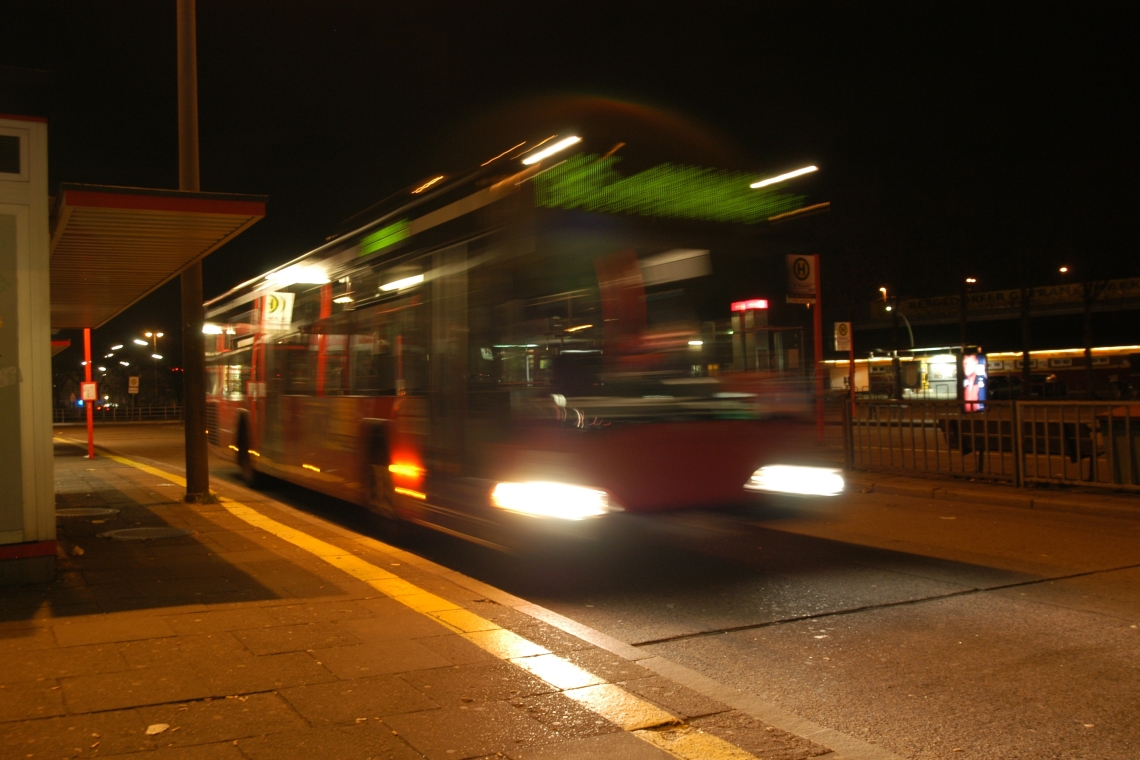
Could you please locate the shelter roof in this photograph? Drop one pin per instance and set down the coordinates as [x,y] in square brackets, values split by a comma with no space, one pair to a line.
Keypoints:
[112,246]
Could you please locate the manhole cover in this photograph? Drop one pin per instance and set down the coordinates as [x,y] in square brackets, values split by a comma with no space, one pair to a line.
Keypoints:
[85,512]
[145,534]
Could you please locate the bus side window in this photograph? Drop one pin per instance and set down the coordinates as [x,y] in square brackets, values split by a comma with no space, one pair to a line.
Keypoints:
[372,362]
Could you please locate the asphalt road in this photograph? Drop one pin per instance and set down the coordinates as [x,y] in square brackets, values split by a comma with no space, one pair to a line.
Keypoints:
[932,629]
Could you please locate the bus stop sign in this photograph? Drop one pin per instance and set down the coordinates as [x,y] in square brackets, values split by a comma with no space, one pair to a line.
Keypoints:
[842,336]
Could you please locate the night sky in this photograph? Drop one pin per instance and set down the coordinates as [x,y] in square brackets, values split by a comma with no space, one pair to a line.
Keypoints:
[992,144]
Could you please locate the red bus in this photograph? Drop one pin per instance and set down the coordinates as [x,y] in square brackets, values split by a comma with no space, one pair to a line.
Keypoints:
[509,352]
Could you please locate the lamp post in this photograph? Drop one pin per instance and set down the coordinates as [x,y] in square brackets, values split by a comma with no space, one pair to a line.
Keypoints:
[154,336]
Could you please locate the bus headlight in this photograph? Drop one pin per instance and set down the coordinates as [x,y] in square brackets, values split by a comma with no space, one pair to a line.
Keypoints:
[802,481]
[541,499]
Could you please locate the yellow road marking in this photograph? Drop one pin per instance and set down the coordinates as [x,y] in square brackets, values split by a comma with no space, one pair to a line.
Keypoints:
[621,708]
[557,671]
[615,704]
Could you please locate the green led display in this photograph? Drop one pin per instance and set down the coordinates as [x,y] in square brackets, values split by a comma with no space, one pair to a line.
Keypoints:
[384,237]
[592,183]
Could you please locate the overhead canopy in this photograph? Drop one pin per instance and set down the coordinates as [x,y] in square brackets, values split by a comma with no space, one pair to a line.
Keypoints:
[111,246]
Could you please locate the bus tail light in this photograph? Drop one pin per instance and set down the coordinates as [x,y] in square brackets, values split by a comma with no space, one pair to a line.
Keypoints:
[543,499]
[792,479]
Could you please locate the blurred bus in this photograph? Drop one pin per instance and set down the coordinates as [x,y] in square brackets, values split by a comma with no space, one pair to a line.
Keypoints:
[491,356]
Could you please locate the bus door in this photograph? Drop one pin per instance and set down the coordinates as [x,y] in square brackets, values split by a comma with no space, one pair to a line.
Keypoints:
[448,383]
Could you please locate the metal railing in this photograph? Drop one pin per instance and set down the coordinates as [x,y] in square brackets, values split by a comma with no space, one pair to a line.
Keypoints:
[171,413]
[1090,443]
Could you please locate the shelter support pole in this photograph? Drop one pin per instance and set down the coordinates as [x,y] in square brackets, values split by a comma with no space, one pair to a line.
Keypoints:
[193,313]
[88,405]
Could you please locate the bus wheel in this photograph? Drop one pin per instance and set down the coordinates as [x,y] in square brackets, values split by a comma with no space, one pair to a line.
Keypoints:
[249,476]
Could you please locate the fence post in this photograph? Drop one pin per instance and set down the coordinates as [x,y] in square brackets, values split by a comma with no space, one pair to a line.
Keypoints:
[1018,448]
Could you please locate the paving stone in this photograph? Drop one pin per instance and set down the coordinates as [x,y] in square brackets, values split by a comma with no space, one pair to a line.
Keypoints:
[465,684]
[320,612]
[373,659]
[458,650]
[759,738]
[679,700]
[607,665]
[615,746]
[30,664]
[101,630]
[25,635]
[236,619]
[350,701]
[243,673]
[141,686]
[371,740]
[207,721]
[24,700]
[219,751]
[397,623]
[185,650]
[564,715]
[295,638]
[104,733]
[464,732]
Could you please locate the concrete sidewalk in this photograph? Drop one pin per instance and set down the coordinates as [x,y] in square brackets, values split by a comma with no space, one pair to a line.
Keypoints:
[263,632]
[1086,500]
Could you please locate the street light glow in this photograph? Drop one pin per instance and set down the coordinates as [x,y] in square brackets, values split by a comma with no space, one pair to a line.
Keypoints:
[551,150]
[1064,270]
[125,364]
[140,342]
[116,348]
[782,177]
[156,356]
[971,280]
[159,334]
[149,335]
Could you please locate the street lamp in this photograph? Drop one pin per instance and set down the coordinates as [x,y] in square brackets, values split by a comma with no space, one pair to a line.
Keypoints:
[154,336]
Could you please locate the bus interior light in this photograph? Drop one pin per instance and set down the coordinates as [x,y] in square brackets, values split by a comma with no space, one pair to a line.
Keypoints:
[406,282]
[546,499]
[208,329]
[798,480]
[782,177]
[551,150]
[343,299]
[411,492]
[298,274]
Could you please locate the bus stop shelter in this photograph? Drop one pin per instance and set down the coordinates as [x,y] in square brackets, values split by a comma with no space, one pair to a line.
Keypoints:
[104,249]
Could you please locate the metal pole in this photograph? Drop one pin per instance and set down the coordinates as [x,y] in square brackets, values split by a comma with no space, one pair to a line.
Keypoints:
[193,314]
[87,404]
[818,354]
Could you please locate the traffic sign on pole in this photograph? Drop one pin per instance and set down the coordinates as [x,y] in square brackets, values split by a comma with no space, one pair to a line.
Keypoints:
[802,278]
[842,336]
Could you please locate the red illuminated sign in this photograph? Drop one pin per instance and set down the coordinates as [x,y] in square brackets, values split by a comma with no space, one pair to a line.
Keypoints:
[755,303]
